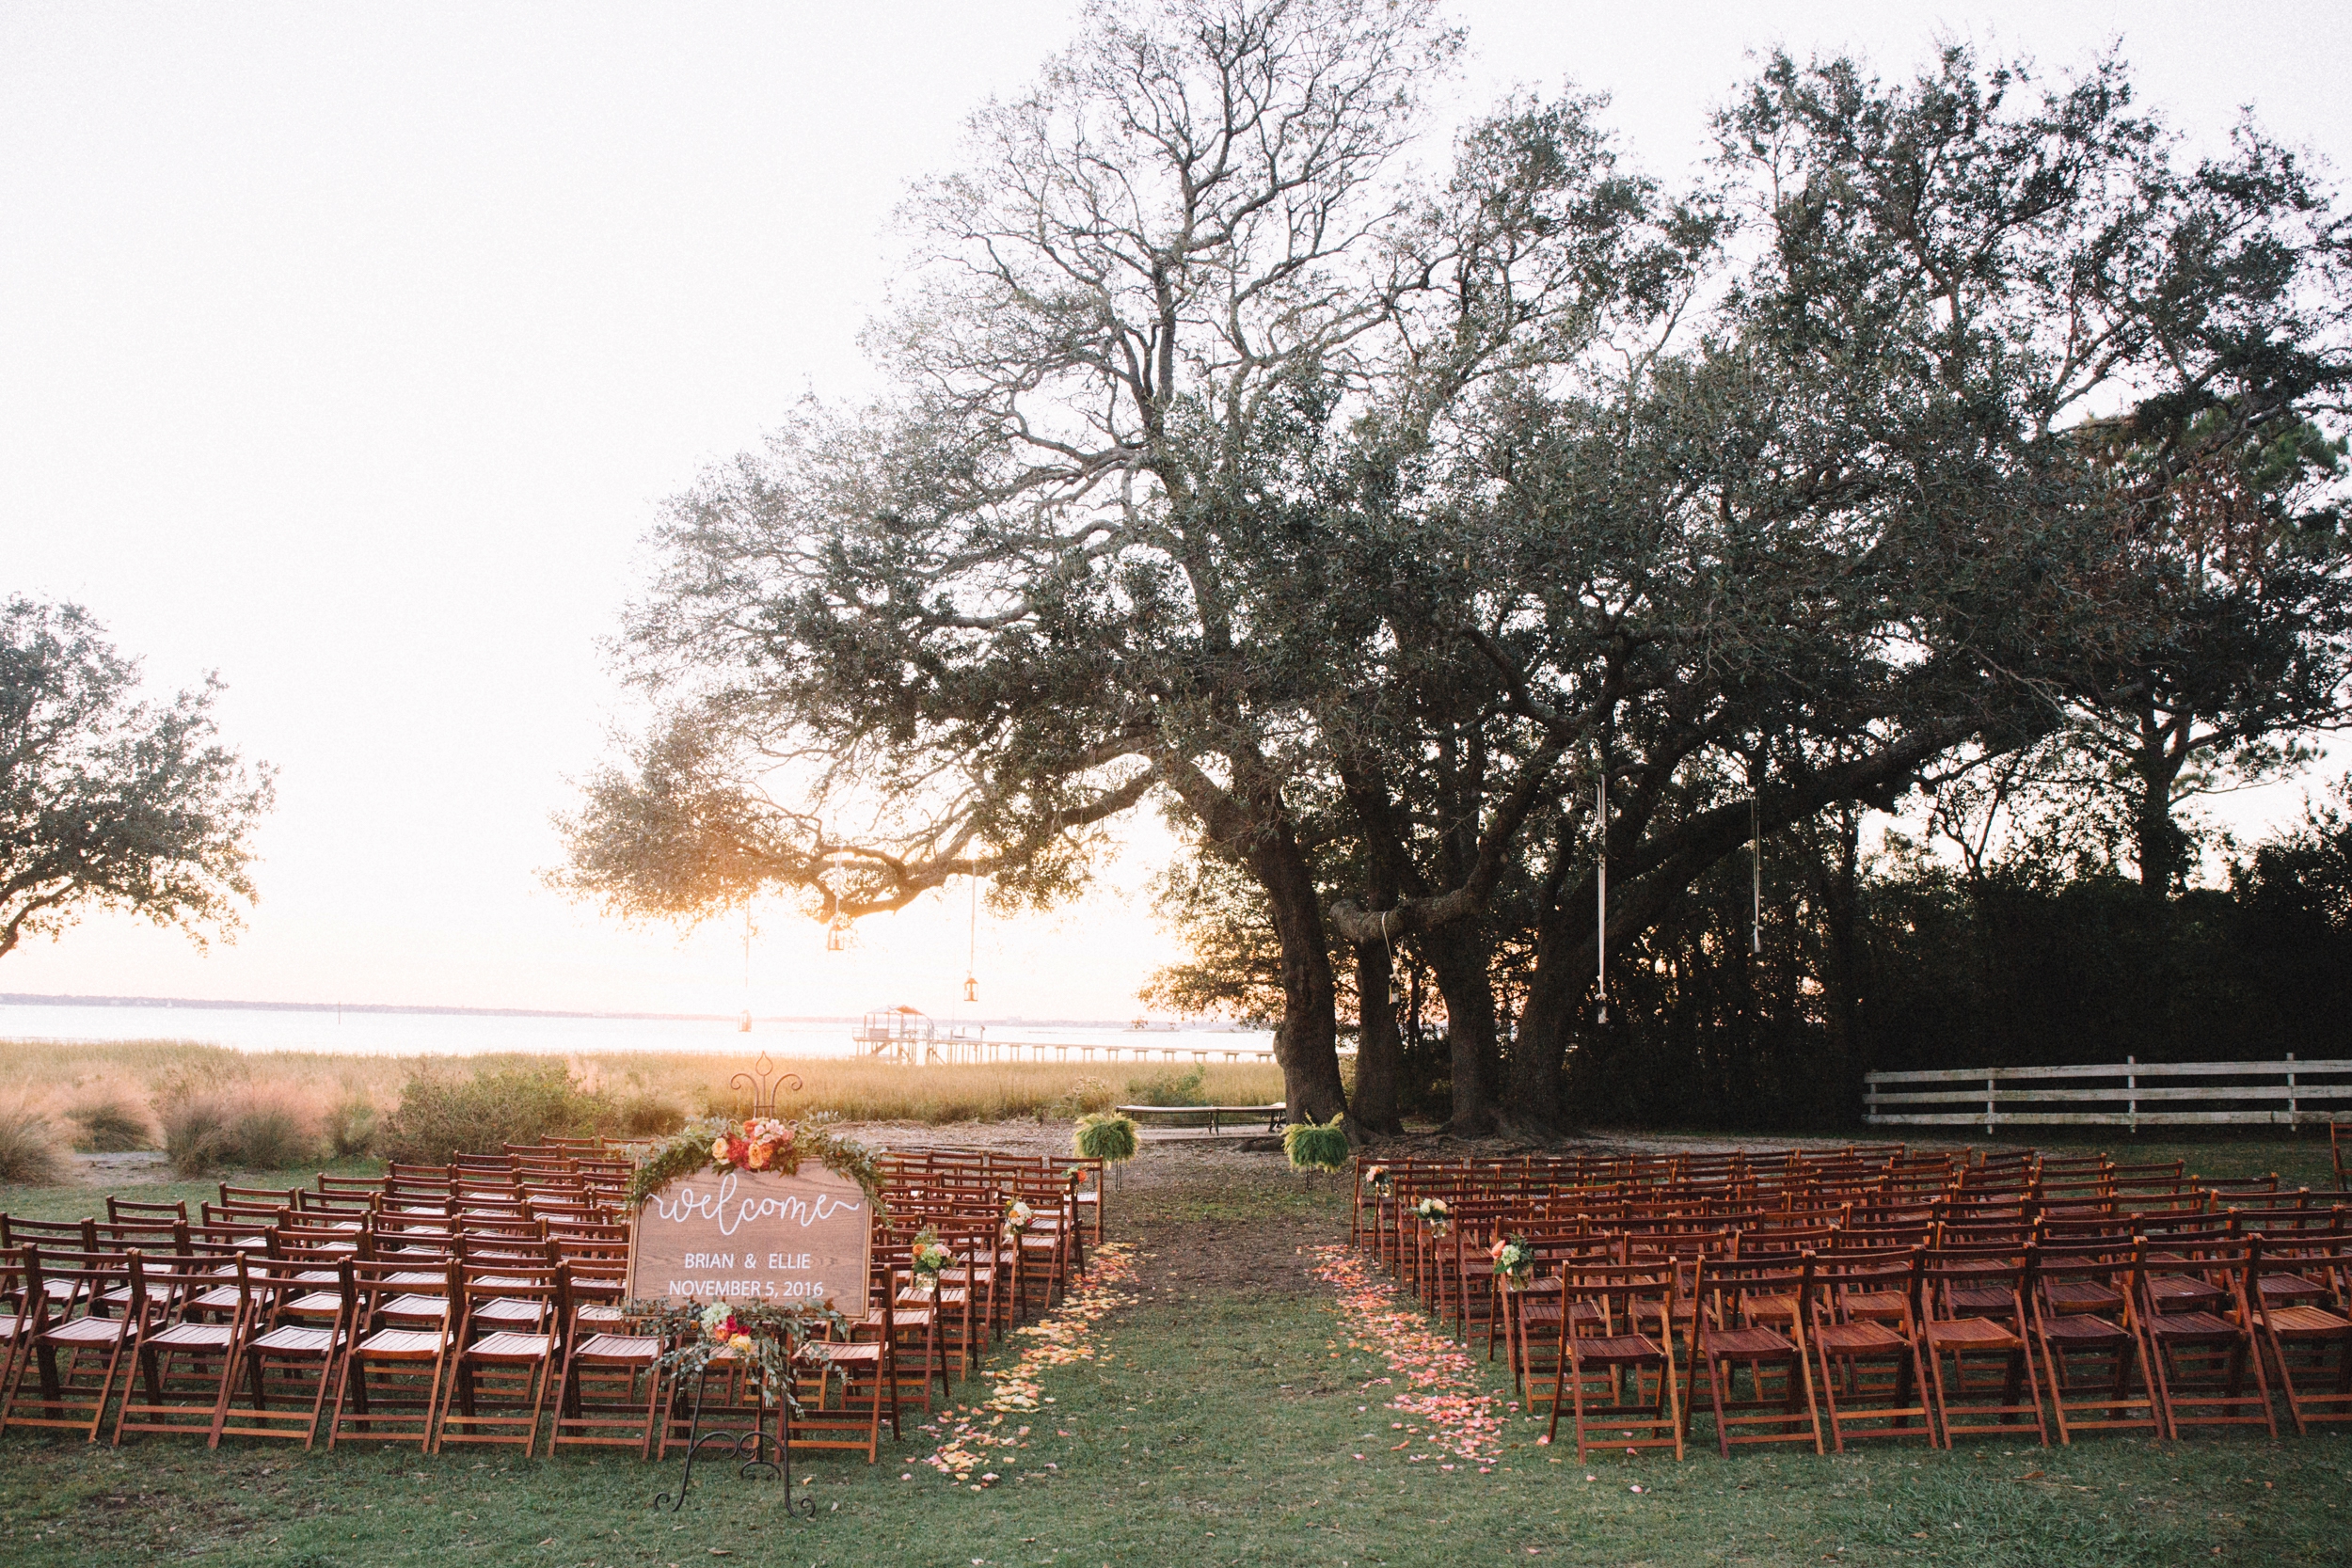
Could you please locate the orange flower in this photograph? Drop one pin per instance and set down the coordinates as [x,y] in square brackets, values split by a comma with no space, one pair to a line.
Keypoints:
[758,1159]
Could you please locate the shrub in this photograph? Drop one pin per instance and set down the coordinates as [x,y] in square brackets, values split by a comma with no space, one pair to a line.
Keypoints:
[1106,1135]
[351,1127]
[108,1124]
[1085,1095]
[1315,1148]
[250,1128]
[643,1114]
[1167,1088]
[29,1155]
[441,1115]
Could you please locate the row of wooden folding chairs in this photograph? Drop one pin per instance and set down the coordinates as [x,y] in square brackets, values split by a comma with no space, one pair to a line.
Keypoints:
[361,1351]
[1465,1293]
[1946,1344]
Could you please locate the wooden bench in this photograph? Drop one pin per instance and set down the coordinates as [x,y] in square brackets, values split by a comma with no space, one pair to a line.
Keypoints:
[1273,1115]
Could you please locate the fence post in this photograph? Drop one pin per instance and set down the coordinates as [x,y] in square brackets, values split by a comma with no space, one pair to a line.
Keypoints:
[1988,1102]
[2293,1119]
[2131,1090]
[1870,1097]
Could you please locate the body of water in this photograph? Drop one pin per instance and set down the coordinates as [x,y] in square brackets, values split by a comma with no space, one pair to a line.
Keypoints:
[411,1034]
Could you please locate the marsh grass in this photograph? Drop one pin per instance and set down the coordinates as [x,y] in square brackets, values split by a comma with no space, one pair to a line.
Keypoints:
[31,1152]
[346,1103]
[106,1122]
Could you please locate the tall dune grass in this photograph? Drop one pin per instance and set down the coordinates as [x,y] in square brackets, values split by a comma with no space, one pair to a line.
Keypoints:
[342,1098]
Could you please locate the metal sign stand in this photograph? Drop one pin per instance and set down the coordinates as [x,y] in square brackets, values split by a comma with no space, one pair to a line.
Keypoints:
[761,1085]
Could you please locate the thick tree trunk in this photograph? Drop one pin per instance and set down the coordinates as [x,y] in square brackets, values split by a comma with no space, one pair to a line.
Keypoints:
[1380,1049]
[2161,846]
[1307,1042]
[1536,1102]
[1839,889]
[1460,954]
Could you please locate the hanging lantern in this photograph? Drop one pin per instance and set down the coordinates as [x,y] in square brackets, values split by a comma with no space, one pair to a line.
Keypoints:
[971,947]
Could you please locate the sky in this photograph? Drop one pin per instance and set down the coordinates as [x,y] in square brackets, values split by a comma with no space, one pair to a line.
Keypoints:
[349,352]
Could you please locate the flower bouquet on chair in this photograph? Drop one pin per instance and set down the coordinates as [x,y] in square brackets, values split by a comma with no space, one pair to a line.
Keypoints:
[1377,1181]
[1017,1218]
[1515,1262]
[1436,1213]
[927,1257]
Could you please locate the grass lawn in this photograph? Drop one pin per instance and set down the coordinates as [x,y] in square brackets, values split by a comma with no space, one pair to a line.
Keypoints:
[1217,1424]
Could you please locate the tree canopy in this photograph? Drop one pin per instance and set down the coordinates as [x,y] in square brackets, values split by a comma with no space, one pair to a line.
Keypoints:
[109,801]
[1370,525]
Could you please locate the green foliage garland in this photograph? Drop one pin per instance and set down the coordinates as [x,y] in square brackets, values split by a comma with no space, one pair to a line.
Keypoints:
[1312,1147]
[777,1331]
[688,1153]
[1106,1135]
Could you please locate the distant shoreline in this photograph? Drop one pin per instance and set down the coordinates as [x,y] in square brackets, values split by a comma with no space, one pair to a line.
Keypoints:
[27,999]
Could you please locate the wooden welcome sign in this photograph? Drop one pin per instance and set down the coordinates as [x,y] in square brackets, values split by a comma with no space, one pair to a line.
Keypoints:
[740,1235]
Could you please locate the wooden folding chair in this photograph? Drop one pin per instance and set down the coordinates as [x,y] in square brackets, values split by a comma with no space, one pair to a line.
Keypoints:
[1865,1336]
[390,1386]
[610,1390]
[865,1370]
[184,1361]
[2302,1324]
[1754,1312]
[2084,1307]
[122,1210]
[290,1360]
[2200,1343]
[503,1358]
[1619,1382]
[1974,1305]
[72,1354]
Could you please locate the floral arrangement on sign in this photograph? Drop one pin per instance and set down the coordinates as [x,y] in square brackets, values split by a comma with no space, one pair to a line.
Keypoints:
[1436,1214]
[773,1337]
[764,1144]
[1515,1262]
[928,1257]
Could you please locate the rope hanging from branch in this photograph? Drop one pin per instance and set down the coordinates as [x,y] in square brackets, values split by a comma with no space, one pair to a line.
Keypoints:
[1755,866]
[1600,932]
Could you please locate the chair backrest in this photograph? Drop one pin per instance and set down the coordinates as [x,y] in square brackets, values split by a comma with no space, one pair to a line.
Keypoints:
[1731,1286]
[122,1209]
[68,1235]
[2119,1266]
[169,1236]
[1841,1271]
[86,1277]
[1945,1270]
[264,1197]
[1617,1289]
[544,1286]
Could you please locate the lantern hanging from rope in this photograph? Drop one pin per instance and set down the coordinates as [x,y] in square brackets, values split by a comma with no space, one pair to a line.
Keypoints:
[971,947]
[837,922]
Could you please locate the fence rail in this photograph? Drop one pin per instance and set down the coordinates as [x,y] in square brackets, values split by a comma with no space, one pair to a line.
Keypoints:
[2281,1093]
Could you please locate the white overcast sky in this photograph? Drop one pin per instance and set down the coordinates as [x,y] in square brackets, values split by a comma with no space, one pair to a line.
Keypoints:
[346,349]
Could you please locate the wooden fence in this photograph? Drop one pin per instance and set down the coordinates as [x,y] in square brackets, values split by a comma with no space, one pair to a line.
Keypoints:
[2127,1094]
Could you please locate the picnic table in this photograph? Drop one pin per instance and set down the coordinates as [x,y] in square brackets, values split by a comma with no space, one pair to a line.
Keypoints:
[1273,1115]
